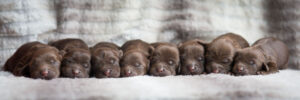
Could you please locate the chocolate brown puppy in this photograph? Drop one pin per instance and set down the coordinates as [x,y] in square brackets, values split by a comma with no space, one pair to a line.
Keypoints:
[221,52]
[192,57]
[35,60]
[76,60]
[265,56]
[105,60]
[135,60]
[164,59]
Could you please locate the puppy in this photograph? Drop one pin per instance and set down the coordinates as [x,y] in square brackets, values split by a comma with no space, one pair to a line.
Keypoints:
[192,57]
[164,60]
[135,60]
[265,56]
[35,60]
[76,60]
[105,60]
[221,51]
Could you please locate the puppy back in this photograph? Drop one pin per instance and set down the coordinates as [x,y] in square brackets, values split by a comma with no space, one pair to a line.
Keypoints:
[235,38]
[65,44]
[137,45]
[274,48]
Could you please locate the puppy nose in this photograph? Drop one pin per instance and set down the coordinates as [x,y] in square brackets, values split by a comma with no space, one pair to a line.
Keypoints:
[76,71]
[45,73]
[128,73]
[241,68]
[215,71]
[107,72]
[192,68]
[161,69]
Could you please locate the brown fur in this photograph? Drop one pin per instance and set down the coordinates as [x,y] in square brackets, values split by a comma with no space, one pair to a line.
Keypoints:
[76,61]
[221,51]
[192,57]
[105,60]
[164,60]
[35,60]
[65,44]
[136,58]
[265,56]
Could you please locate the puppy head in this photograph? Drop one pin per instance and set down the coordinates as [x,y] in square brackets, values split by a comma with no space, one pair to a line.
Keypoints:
[164,60]
[45,63]
[105,63]
[192,57]
[248,61]
[134,63]
[219,57]
[76,63]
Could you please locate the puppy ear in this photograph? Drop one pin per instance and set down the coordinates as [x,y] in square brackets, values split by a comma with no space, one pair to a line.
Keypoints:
[151,50]
[236,53]
[21,68]
[201,42]
[269,66]
[62,53]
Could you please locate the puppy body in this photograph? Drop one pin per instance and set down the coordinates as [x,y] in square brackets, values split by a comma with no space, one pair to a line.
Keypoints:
[105,60]
[35,60]
[221,51]
[164,59]
[265,56]
[192,57]
[135,60]
[76,60]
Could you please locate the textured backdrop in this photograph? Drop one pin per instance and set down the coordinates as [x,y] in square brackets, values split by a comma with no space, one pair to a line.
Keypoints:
[117,21]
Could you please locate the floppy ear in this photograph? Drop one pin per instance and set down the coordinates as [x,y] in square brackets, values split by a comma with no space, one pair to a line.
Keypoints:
[151,50]
[236,53]
[20,70]
[61,53]
[201,42]
[22,66]
[269,66]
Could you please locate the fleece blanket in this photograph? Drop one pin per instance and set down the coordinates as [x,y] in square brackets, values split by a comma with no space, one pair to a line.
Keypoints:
[284,85]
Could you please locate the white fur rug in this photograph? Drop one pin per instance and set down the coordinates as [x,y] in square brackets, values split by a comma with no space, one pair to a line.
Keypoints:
[284,85]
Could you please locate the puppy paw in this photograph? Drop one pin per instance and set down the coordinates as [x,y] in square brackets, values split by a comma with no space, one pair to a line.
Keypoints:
[229,73]
[261,73]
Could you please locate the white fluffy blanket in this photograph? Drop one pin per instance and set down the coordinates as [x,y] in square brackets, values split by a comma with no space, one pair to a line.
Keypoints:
[283,85]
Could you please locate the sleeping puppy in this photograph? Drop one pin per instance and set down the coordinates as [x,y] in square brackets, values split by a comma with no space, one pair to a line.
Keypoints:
[192,57]
[265,56]
[164,60]
[105,60]
[76,60]
[221,51]
[35,60]
[135,60]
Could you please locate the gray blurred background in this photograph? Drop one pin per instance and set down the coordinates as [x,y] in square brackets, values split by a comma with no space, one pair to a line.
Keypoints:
[173,21]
